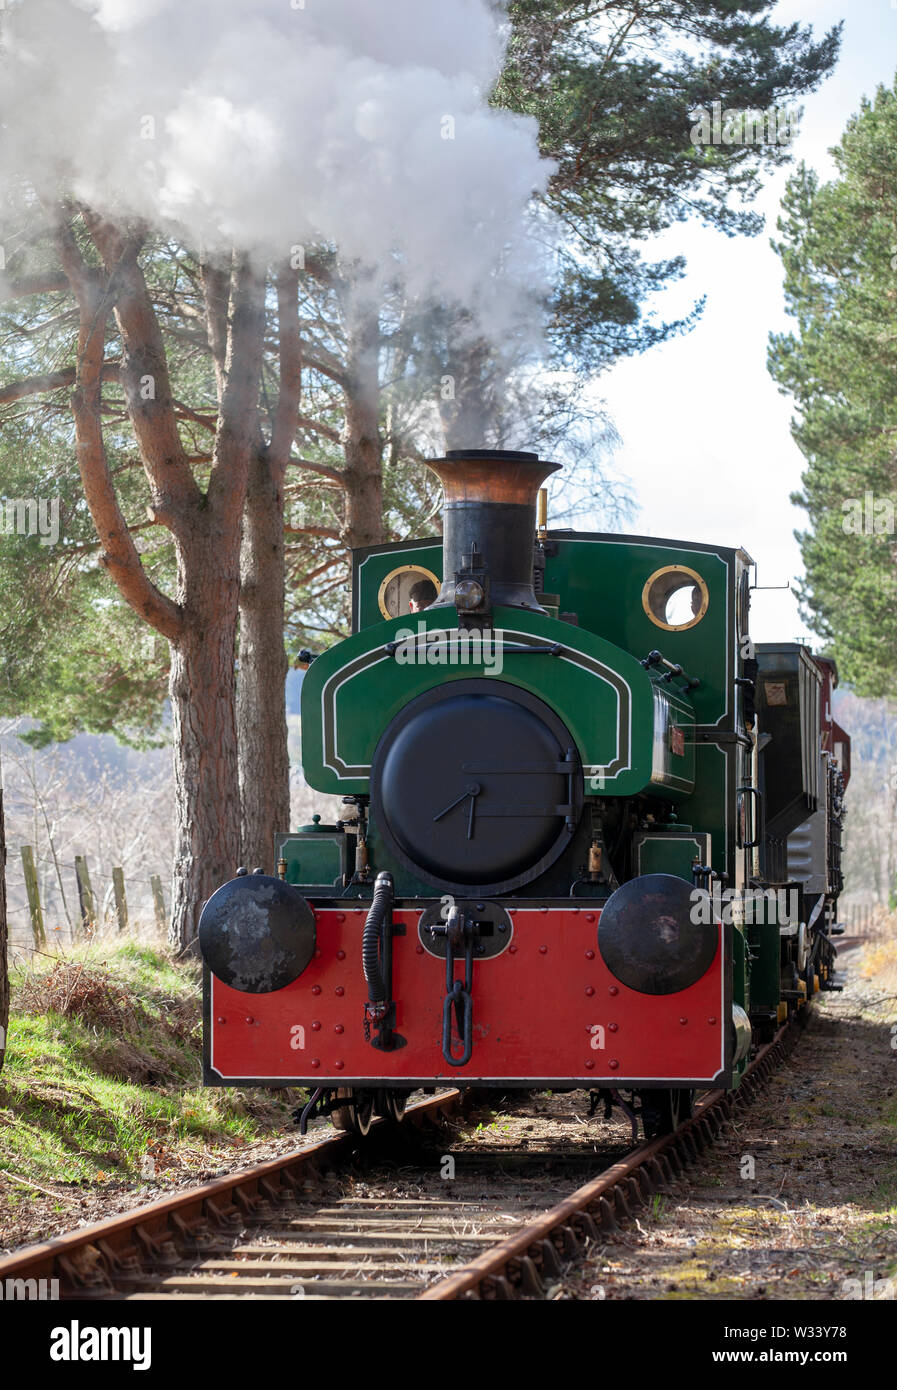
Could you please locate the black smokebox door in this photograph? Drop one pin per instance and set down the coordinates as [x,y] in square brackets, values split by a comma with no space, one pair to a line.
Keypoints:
[473,786]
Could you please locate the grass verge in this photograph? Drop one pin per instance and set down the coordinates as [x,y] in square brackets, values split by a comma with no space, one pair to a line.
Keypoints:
[101,1082]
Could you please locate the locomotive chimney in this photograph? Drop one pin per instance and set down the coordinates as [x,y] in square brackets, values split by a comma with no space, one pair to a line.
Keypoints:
[489,528]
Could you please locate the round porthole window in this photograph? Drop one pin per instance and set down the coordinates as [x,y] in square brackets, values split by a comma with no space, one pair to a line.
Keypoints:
[675,598]
[408,589]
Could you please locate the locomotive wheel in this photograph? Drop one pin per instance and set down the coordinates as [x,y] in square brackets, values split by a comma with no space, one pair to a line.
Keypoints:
[356,1115]
[391,1104]
[665,1110]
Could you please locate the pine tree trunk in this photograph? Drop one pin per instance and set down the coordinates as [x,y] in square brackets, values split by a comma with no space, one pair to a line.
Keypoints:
[261,686]
[362,440]
[203,678]
[261,683]
[4,975]
[201,624]
[206,802]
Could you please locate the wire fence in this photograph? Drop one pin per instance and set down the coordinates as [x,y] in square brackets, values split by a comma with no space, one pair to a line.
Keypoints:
[59,900]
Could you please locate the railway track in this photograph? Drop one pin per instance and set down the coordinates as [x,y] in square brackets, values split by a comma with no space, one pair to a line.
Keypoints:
[289,1229]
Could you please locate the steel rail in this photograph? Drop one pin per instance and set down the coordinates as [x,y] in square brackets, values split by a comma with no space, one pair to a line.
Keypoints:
[527,1262]
[134,1249]
[86,1261]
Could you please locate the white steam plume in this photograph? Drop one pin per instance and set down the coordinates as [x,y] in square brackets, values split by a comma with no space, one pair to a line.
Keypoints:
[272,124]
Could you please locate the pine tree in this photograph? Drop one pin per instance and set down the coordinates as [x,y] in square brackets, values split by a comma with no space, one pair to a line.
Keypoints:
[617,87]
[839,249]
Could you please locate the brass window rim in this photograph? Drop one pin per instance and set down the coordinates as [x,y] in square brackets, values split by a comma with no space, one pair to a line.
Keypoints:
[403,569]
[688,574]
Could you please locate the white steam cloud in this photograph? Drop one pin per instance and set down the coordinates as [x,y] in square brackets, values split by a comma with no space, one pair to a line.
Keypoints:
[272,124]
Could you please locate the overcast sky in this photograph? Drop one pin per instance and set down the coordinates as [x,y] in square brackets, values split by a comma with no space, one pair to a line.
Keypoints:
[705,432]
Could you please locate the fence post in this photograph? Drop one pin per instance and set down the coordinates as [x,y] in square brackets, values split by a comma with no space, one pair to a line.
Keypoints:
[86,898]
[31,887]
[121,902]
[158,902]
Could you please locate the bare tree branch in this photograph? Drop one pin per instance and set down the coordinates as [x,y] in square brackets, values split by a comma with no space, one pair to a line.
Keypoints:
[327,363]
[49,283]
[305,422]
[145,375]
[52,381]
[119,551]
[323,469]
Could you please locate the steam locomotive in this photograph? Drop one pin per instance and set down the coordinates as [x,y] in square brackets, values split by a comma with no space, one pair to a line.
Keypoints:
[591,833]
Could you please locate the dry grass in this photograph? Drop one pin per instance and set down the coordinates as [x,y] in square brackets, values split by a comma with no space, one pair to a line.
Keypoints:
[76,990]
[92,993]
[879,959]
[103,1067]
